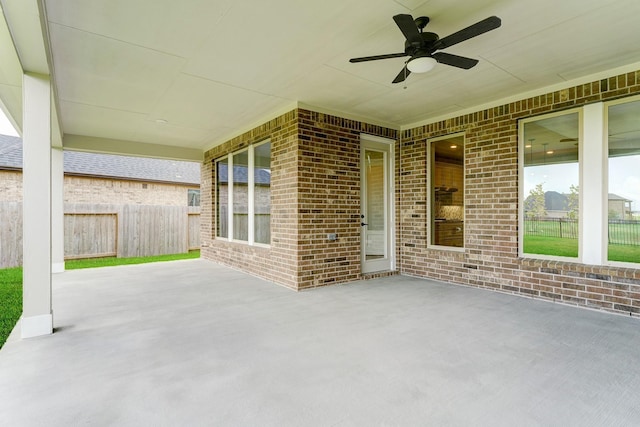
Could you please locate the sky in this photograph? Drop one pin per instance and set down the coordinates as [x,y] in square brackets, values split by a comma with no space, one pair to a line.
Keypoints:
[5,126]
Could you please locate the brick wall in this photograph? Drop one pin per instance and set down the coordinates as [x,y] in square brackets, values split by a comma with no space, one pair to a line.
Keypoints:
[277,263]
[490,259]
[80,189]
[329,197]
[315,190]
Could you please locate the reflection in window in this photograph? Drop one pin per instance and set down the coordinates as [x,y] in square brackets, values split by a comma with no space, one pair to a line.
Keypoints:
[624,182]
[447,191]
[262,193]
[241,196]
[222,198]
[551,186]
[193,197]
[245,179]
[374,175]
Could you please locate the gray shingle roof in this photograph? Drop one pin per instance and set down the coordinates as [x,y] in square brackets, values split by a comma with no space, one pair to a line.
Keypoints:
[240,174]
[613,196]
[107,165]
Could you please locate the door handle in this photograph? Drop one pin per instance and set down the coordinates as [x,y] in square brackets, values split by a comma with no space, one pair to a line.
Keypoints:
[362,224]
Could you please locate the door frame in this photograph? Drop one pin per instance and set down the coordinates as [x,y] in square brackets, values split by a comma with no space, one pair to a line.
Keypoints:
[388,146]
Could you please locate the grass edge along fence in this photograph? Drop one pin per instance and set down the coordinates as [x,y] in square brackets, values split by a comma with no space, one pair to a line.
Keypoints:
[620,232]
[11,283]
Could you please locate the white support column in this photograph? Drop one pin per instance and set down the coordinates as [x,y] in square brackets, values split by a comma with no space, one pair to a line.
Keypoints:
[57,210]
[37,314]
[592,187]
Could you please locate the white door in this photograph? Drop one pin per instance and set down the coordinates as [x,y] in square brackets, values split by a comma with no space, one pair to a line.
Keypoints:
[376,204]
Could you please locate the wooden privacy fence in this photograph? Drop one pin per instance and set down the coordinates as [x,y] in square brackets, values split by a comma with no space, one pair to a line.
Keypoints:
[90,235]
[10,234]
[96,230]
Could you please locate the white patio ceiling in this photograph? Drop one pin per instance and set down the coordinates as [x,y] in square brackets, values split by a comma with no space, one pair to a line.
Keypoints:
[214,68]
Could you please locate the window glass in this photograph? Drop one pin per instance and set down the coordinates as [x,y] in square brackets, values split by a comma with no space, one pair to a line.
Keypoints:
[248,203]
[222,198]
[193,197]
[241,196]
[623,204]
[447,192]
[262,193]
[551,186]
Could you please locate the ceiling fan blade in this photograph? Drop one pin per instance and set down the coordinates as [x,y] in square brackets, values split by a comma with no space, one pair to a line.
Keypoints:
[408,27]
[491,23]
[376,57]
[455,60]
[402,75]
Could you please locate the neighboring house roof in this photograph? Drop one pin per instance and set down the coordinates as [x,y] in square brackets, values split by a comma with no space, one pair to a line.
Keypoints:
[109,166]
[261,176]
[10,152]
[616,197]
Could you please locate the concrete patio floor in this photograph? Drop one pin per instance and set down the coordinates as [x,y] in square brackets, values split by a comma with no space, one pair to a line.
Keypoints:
[193,343]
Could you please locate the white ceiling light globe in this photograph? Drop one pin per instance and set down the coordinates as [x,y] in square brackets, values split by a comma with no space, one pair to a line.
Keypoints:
[421,64]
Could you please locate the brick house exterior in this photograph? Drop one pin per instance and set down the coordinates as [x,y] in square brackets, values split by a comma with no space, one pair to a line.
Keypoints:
[84,189]
[104,179]
[315,189]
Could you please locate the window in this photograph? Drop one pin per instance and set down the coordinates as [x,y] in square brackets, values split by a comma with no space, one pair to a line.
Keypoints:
[193,197]
[580,184]
[262,193]
[551,185]
[243,194]
[222,198]
[623,195]
[240,196]
[447,191]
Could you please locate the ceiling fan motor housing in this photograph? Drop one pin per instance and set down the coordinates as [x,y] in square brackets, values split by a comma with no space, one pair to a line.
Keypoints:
[413,46]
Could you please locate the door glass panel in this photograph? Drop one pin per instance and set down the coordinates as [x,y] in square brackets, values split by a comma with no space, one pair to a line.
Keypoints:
[375,206]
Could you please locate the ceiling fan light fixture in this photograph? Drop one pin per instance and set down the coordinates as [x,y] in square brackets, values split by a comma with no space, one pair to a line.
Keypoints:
[421,64]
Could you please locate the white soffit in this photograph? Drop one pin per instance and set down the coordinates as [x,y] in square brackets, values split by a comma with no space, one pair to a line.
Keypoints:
[212,68]
[101,71]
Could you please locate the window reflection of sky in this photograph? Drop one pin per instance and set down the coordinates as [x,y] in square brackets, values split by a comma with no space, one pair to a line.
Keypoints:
[624,178]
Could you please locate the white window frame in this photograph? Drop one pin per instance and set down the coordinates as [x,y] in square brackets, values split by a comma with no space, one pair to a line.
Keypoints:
[522,196]
[605,180]
[593,161]
[250,195]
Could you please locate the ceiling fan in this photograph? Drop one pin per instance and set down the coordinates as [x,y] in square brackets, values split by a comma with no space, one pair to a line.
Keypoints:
[422,46]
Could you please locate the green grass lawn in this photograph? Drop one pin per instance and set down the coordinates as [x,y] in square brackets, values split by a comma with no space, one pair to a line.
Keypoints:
[624,253]
[543,245]
[569,247]
[10,300]
[11,284]
[111,261]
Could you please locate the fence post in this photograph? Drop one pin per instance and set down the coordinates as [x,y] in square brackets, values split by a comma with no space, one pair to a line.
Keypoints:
[561,228]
